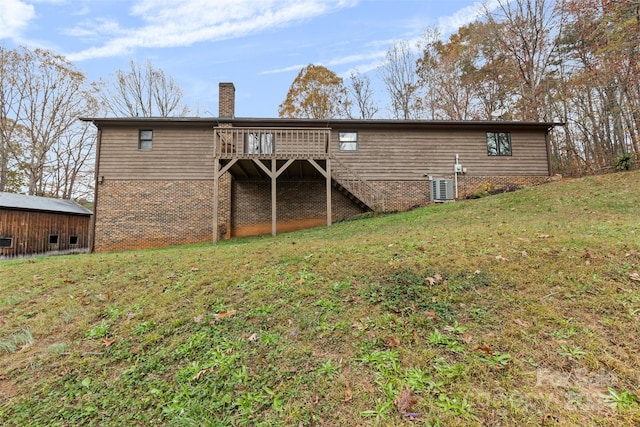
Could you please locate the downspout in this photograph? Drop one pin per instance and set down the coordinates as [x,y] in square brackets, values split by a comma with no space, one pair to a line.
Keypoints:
[455,176]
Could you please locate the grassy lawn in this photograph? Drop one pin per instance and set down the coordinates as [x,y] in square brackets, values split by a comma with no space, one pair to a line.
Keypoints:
[516,309]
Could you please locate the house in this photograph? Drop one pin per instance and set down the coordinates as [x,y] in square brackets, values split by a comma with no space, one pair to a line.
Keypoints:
[169,181]
[31,225]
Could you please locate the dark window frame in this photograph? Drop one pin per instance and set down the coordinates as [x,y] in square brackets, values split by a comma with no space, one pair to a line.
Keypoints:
[5,239]
[499,144]
[145,143]
[73,240]
[54,239]
[343,143]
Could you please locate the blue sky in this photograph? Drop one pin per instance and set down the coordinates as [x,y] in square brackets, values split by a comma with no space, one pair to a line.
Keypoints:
[259,45]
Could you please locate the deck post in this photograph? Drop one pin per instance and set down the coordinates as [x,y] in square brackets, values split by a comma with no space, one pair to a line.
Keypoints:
[216,196]
[329,215]
[274,178]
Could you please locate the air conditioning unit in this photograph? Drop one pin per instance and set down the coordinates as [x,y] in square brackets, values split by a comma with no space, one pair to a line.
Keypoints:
[441,190]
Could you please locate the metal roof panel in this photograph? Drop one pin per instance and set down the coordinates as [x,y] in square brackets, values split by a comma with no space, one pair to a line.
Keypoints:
[47,204]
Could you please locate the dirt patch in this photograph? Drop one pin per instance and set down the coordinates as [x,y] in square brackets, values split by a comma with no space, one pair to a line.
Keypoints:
[7,388]
[281,226]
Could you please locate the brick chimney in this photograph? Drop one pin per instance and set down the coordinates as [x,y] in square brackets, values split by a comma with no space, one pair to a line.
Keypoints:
[226,100]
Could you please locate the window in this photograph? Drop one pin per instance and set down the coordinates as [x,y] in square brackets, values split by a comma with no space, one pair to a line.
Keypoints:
[259,143]
[6,242]
[498,143]
[53,239]
[73,240]
[348,141]
[145,140]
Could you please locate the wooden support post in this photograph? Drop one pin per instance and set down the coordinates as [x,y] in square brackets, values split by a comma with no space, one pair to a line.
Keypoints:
[328,192]
[274,178]
[216,196]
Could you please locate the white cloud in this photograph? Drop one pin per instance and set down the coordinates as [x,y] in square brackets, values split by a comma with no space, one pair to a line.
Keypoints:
[466,15]
[14,17]
[166,23]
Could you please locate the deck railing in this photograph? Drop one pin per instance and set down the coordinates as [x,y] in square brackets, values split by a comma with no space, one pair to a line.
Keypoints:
[358,186]
[267,143]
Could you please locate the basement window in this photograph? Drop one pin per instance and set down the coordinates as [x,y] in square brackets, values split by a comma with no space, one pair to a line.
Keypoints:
[348,141]
[53,239]
[6,242]
[499,143]
[73,240]
[259,143]
[145,140]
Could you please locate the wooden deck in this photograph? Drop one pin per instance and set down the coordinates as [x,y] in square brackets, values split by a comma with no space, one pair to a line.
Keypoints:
[271,143]
[267,148]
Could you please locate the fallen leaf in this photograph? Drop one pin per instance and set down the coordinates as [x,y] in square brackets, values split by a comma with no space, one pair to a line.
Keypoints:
[253,337]
[135,350]
[437,277]
[393,342]
[300,282]
[477,272]
[359,326]
[524,254]
[635,277]
[421,248]
[524,239]
[107,342]
[224,314]
[195,269]
[430,314]
[542,236]
[466,337]
[199,318]
[416,338]
[201,373]
[501,258]
[431,281]
[484,348]
[405,402]
[522,323]
[348,394]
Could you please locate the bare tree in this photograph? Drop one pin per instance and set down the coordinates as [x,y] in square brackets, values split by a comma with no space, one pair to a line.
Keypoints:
[401,80]
[528,34]
[45,96]
[71,165]
[362,96]
[143,92]
[12,104]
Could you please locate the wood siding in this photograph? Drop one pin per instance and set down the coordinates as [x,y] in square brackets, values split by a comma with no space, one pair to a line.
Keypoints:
[416,154]
[30,231]
[185,151]
[178,153]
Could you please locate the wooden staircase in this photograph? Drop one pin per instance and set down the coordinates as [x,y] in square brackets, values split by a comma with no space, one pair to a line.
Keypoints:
[363,193]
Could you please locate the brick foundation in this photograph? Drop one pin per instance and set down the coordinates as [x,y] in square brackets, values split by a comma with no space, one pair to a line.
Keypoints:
[405,195]
[468,185]
[300,204]
[150,214]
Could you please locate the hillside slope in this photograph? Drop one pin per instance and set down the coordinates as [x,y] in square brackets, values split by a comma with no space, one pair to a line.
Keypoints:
[516,309]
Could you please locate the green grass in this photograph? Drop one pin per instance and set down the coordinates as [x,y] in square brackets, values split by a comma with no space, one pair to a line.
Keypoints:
[516,309]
